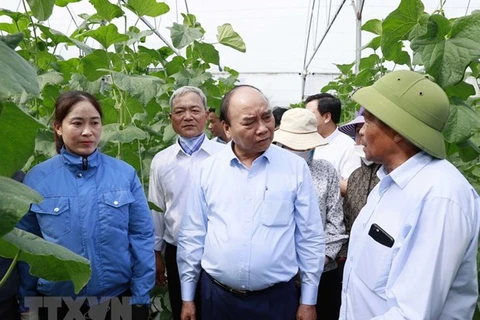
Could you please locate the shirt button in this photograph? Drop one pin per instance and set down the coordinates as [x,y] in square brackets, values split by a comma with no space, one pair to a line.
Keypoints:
[56,210]
[115,202]
[79,175]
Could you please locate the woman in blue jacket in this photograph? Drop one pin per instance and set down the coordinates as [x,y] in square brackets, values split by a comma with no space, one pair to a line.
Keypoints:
[95,206]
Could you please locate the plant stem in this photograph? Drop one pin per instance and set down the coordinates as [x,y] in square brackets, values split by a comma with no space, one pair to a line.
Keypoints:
[10,269]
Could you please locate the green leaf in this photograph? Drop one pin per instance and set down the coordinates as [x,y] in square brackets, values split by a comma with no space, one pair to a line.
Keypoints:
[12,40]
[148,7]
[208,52]
[169,133]
[142,87]
[112,132]
[18,76]
[14,202]
[51,77]
[228,37]
[374,43]
[153,206]
[364,78]
[461,90]
[461,124]
[94,64]
[47,260]
[374,26]
[176,65]
[107,10]
[369,62]
[106,35]
[447,56]
[64,3]
[85,48]
[41,9]
[187,77]
[397,26]
[403,58]
[138,36]
[345,68]
[183,35]
[20,128]
[80,82]
[468,151]
[56,36]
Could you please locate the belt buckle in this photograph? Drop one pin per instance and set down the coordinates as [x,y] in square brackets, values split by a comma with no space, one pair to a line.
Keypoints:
[242,293]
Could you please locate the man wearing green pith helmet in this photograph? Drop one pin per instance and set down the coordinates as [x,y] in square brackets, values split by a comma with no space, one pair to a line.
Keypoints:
[412,252]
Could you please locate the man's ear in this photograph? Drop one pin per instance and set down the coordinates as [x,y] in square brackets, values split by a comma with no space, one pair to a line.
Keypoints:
[328,117]
[226,129]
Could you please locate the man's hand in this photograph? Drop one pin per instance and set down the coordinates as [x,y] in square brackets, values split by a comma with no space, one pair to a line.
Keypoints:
[160,278]
[188,311]
[306,312]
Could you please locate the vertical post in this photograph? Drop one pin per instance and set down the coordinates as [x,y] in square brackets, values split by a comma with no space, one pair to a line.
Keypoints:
[358,33]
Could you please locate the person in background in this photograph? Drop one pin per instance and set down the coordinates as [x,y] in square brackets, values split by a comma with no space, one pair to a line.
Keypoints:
[95,206]
[340,150]
[171,175]
[216,128]
[245,250]
[298,134]
[413,247]
[359,184]
[277,115]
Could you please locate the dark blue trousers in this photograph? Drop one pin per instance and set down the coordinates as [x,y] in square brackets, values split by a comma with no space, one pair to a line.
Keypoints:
[277,303]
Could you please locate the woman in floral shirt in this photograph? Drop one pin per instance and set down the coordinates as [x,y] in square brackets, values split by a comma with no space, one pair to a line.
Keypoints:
[298,134]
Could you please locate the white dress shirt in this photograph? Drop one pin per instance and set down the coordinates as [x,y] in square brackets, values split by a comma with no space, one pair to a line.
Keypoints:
[340,152]
[170,177]
[252,228]
[430,272]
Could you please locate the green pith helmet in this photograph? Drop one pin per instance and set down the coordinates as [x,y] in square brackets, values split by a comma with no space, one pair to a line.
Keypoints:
[412,105]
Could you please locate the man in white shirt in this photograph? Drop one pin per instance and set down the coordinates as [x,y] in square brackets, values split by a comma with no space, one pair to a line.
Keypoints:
[170,177]
[216,128]
[340,150]
[412,253]
[252,223]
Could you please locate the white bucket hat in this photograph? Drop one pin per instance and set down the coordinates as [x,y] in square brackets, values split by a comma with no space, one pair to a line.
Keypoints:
[298,130]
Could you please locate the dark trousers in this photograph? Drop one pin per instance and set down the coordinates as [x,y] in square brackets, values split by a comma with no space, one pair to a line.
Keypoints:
[277,303]
[329,295]
[9,310]
[174,288]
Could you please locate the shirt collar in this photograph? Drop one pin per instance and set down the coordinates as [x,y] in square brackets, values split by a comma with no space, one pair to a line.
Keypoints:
[403,174]
[232,157]
[79,162]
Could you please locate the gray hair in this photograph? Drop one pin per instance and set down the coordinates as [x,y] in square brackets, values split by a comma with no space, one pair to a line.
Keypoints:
[186,89]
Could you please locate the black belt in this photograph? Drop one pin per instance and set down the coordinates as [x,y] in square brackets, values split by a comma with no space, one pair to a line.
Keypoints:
[245,293]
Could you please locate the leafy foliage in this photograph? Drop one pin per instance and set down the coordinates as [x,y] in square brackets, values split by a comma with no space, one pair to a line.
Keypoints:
[132,82]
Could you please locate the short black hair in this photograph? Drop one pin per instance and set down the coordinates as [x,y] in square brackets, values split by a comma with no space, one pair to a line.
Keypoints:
[327,103]
[277,114]
[225,104]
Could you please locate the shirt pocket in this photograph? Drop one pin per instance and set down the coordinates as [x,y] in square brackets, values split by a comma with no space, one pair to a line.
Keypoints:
[54,216]
[116,207]
[276,210]
[373,265]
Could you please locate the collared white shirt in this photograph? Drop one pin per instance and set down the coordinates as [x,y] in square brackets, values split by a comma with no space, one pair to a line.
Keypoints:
[430,272]
[171,174]
[252,228]
[340,152]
